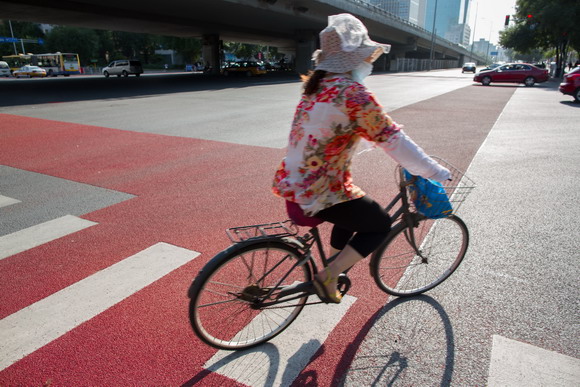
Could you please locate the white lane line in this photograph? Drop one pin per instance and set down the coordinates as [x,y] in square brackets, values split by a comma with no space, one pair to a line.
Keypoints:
[518,364]
[33,327]
[39,234]
[6,201]
[280,361]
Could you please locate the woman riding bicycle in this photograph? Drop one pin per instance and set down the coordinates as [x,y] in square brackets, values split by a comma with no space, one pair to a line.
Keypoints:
[335,112]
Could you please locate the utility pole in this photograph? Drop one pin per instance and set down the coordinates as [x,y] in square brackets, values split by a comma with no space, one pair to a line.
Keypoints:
[474,27]
[432,53]
[488,43]
[13,42]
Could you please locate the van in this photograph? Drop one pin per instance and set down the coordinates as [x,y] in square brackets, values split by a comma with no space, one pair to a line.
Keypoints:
[5,70]
[124,68]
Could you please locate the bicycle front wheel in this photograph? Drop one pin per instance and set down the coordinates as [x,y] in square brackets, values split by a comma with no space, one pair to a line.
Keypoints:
[233,299]
[401,270]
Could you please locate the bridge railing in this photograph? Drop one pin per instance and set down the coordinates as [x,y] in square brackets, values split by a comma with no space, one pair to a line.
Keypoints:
[414,64]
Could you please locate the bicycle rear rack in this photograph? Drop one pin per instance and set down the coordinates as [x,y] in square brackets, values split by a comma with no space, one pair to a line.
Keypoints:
[278,229]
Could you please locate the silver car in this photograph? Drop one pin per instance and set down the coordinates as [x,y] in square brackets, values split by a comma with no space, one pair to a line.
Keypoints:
[469,66]
[124,68]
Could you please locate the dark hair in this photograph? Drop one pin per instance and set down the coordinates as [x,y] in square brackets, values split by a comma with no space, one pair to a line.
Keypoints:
[312,81]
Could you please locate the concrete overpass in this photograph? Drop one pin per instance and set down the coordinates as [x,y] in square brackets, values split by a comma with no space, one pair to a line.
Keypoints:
[291,25]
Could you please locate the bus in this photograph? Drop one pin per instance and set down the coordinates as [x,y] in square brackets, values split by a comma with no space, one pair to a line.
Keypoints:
[55,64]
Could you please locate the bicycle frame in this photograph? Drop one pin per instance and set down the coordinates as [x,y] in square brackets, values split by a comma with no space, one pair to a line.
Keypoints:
[408,219]
[312,237]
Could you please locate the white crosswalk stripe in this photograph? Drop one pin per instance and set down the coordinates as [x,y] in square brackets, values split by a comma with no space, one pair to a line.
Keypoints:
[39,234]
[518,364]
[6,201]
[281,360]
[32,327]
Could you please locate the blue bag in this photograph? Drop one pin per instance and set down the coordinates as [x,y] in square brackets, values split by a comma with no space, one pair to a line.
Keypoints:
[429,197]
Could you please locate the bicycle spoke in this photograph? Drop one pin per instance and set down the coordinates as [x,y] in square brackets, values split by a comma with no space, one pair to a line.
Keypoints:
[402,269]
[226,311]
[220,302]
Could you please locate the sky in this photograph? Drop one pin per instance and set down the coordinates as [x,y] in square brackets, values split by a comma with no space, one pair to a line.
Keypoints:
[490,18]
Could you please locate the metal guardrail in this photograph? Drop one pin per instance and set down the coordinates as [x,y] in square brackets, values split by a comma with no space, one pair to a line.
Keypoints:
[414,64]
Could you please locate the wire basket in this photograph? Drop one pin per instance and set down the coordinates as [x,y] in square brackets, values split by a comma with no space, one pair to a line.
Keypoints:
[442,201]
[279,229]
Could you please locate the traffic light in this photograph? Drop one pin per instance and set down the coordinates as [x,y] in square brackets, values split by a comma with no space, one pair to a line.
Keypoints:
[507,20]
[529,16]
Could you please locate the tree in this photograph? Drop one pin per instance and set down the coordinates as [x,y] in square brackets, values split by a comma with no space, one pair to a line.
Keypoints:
[82,41]
[545,24]
[106,48]
[252,51]
[241,50]
[22,30]
[134,46]
[189,48]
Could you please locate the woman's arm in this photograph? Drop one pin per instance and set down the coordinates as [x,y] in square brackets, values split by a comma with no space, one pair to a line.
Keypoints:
[413,158]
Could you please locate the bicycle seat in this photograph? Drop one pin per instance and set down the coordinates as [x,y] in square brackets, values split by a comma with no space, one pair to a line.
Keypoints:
[296,214]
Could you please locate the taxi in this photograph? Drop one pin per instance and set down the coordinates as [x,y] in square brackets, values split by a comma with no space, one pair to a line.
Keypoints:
[30,72]
[247,68]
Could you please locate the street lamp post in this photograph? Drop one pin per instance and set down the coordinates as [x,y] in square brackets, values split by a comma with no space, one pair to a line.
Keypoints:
[488,42]
[13,42]
[474,28]
[431,53]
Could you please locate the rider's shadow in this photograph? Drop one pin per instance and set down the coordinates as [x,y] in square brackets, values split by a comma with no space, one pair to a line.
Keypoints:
[408,342]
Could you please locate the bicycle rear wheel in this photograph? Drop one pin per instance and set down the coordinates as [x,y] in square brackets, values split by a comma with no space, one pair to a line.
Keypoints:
[399,270]
[227,298]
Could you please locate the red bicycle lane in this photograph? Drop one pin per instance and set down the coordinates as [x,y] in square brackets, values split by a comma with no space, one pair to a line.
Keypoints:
[187,192]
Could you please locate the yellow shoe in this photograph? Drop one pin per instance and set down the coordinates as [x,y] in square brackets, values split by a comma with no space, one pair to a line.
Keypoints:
[326,295]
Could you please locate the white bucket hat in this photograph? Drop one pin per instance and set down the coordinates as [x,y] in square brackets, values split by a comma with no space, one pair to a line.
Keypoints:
[345,44]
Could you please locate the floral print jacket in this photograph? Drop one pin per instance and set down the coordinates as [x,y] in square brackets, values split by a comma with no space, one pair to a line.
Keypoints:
[326,128]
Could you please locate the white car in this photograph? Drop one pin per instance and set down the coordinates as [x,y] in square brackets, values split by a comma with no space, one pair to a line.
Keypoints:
[30,72]
[123,68]
[5,70]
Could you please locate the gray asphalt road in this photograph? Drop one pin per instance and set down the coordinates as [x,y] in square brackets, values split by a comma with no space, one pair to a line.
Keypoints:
[510,314]
[254,111]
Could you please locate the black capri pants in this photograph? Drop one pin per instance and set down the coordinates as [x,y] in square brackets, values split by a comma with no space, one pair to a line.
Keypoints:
[362,216]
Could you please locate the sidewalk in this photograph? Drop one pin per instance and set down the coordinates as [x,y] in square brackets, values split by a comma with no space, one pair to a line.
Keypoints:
[509,315]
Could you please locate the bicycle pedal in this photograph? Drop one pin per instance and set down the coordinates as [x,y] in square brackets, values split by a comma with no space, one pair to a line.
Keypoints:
[343,283]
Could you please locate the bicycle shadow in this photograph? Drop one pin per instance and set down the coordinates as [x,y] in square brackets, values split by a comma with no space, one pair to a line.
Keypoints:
[259,366]
[410,341]
[408,338]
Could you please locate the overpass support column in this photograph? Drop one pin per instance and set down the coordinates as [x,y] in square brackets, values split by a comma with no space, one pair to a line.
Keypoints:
[211,52]
[306,44]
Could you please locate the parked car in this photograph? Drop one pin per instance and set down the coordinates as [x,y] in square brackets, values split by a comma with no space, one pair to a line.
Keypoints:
[124,68]
[571,84]
[247,68]
[5,70]
[469,66]
[30,72]
[524,73]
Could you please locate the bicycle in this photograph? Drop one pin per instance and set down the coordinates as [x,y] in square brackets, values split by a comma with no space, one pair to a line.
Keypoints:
[253,290]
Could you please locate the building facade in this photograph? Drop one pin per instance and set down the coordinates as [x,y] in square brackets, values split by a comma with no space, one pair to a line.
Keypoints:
[413,11]
[451,19]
